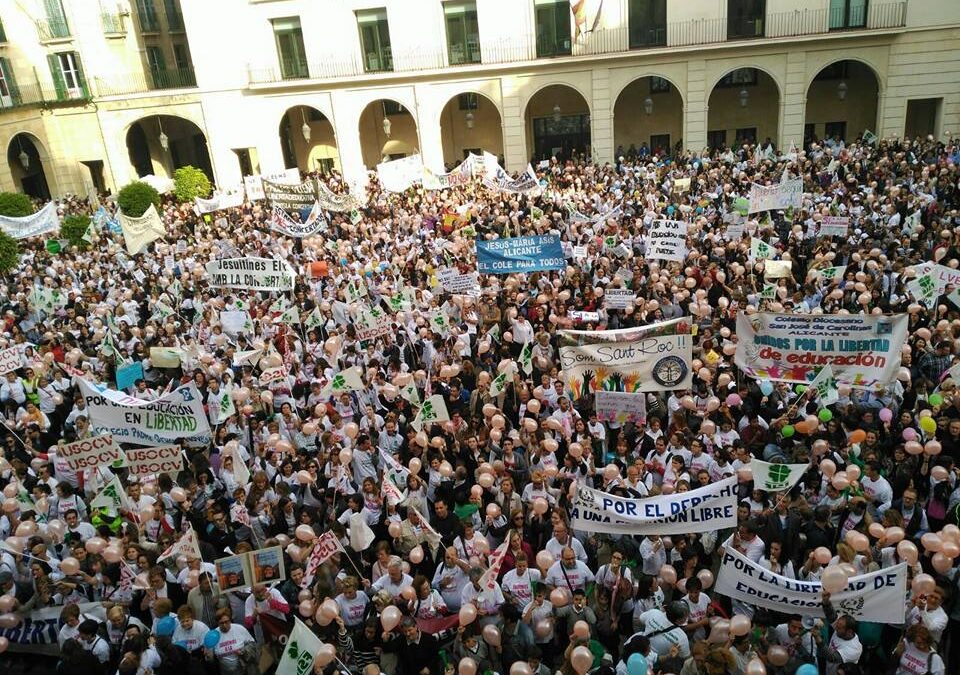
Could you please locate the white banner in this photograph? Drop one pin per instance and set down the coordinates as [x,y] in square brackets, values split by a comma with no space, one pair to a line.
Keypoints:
[522,184]
[254,184]
[618,298]
[281,222]
[176,415]
[786,194]
[453,281]
[705,509]
[90,453]
[864,350]
[139,232]
[10,359]
[877,597]
[38,630]
[667,240]
[775,477]
[258,274]
[155,460]
[620,407]
[272,375]
[655,363]
[398,175]
[331,201]
[461,175]
[324,547]
[834,226]
[942,275]
[43,221]
[224,200]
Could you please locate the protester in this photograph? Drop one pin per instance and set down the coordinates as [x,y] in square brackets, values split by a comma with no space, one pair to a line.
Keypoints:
[396,453]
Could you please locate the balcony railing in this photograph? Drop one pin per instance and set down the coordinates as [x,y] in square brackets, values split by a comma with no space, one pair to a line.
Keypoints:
[112,24]
[143,83]
[32,94]
[53,29]
[619,40]
[746,28]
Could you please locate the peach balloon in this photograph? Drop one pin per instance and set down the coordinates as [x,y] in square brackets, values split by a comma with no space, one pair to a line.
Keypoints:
[468,614]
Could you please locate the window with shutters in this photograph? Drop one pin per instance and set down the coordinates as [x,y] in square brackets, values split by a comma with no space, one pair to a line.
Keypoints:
[9,95]
[463,32]
[375,40]
[290,50]
[68,80]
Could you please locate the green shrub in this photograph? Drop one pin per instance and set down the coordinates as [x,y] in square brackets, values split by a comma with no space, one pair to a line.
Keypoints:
[9,253]
[189,182]
[15,205]
[73,229]
[134,199]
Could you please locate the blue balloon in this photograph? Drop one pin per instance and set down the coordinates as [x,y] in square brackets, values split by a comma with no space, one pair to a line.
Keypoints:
[637,665]
[166,626]
[211,639]
[808,669]
[766,386]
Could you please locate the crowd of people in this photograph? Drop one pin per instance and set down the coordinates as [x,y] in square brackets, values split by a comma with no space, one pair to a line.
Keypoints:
[420,515]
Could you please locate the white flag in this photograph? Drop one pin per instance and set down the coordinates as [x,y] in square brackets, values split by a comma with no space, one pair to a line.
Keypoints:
[112,497]
[300,651]
[434,409]
[776,477]
[186,545]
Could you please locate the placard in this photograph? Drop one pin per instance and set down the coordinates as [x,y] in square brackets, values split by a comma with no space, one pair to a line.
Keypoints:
[272,375]
[90,453]
[834,226]
[667,240]
[290,197]
[266,565]
[232,573]
[164,357]
[154,460]
[618,298]
[787,194]
[520,254]
[10,359]
[620,407]
[128,375]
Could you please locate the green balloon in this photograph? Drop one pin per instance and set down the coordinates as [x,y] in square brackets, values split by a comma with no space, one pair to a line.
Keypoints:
[825,415]
[935,399]
[800,388]
[788,431]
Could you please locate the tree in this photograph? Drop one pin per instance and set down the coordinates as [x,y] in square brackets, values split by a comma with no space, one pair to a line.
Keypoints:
[9,253]
[15,205]
[135,198]
[73,229]
[189,182]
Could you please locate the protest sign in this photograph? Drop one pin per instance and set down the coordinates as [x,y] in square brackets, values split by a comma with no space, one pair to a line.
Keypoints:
[176,415]
[434,409]
[372,323]
[257,274]
[281,222]
[331,201]
[584,317]
[37,630]
[128,375]
[10,359]
[667,240]
[442,181]
[272,375]
[787,194]
[834,226]
[139,232]
[90,453]
[705,509]
[520,254]
[232,573]
[457,283]
[324,547]
[775,477]
[266,565]
[225,200]
[164,357]
[620,407]
[253,185]
[290,197]
[655,363]
[777,269]
[876,596]
[400,174]
[187,545]
[942,275]
[618,298]
[864,350]
[43,221]
[300,651]
[155,460]
[831,274]
[924,289]
[234,321]
[499,179]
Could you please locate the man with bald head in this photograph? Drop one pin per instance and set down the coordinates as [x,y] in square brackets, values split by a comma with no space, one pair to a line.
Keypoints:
[450,578]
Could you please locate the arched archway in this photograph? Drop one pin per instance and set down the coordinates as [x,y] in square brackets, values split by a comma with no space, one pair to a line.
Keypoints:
[557,120]
[387,131]
[470,122]
[648,115]
[744,107]
[842,102]
[161,144]
[308,140]
[26,155]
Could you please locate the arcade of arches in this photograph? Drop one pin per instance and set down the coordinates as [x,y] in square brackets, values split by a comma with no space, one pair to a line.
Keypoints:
[160,144]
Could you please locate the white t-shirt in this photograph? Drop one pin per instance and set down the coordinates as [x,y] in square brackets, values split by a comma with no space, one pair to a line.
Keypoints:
[849,650]
[559,577]
[230,643]
[352,610]
[935,620]
[915,662]
[521,587]
[193,638]
[698,612]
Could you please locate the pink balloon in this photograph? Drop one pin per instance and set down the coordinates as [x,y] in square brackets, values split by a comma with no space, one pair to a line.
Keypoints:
[390,618]
[491,635]
[876,530]
[416,555]
[305,533]
[520,668]
[755,667]
[931,542]
[822,555]
[70,566]
[951,549]
[7,603]
[840,480]
[853,472]
[560,597]
[923,584]
[833,579]
[325,655]
[10,620]
[581,658]
[828,468]
[894,535]
[468,614]
[112,554]
[907,550]
[706,578]
[932,448]
[178,494]
[739,625]
[668,574]
[94,545]
[467,666]
[941,563]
